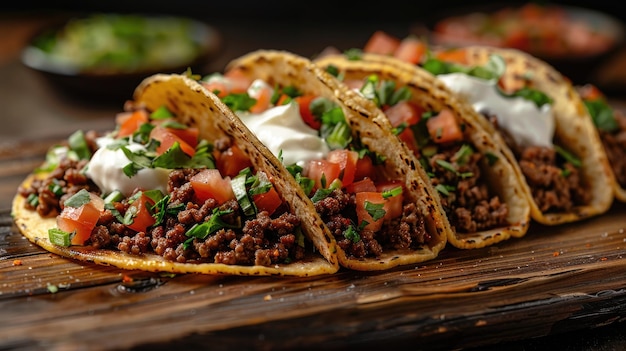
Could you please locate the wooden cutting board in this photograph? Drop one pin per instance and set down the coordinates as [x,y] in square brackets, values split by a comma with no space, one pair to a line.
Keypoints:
[555,279]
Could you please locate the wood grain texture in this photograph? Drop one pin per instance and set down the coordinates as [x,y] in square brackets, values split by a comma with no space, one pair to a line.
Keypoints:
[555,279]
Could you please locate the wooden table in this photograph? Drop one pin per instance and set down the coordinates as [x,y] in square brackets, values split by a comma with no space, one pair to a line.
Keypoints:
[563,286]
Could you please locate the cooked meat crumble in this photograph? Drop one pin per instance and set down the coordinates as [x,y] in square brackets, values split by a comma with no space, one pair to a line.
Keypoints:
[615,147]
[556,185]
[261,240]
[405,232]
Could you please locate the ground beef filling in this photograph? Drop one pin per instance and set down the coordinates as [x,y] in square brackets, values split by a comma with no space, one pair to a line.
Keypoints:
[262,240]
[615,146]
[468,204]
[407,232]
[556,186]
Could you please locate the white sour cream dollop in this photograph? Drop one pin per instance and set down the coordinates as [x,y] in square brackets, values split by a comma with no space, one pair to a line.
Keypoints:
[282,130]
[527,124]
[106,169]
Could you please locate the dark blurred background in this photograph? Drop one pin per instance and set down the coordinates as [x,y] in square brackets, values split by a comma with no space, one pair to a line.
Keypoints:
[319,11]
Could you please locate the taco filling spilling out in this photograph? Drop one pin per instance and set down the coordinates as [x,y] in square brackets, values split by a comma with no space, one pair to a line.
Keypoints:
[366,211]
[524,118]
[611,126]
[152,186]
[449,158]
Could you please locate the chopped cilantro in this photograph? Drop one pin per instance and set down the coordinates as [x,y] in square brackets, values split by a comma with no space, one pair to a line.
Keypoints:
[239,101]
[59,237]
[491,158]
[215,223]
[79,199]
[602,115]
[352,234]
[161,113]
[375,210]
[568,156]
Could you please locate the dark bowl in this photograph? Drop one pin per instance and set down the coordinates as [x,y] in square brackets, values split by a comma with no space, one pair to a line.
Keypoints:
[578,64]
[110,84]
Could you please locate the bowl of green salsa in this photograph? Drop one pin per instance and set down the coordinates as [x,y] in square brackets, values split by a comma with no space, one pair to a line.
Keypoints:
[107,55]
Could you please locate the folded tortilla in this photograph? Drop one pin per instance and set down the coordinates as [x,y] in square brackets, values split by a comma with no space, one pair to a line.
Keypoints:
[368,126]
[430,94]
[195,106]
[611,126]
[573,127]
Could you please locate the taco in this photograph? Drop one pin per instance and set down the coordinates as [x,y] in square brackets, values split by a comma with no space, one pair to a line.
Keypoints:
[611,126]
[540,118]
[372,196]
[483,200]
[180,185]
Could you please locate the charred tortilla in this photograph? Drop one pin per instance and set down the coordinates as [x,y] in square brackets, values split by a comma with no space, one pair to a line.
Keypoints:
[193,106]
[284,69]
[430,95]
[574,130]
[611,126]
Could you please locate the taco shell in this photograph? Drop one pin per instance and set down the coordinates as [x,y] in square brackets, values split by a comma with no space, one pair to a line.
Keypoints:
[574,128]
[195,106]
[369,126]
[432,95]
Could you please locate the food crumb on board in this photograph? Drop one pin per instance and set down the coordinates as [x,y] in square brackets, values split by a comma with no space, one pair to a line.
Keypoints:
[17,262]
[267,297]
[52,288]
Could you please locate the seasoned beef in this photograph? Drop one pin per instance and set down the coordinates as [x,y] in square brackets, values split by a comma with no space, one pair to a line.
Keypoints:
[615,146]
[262,240]
[338,212]
[555,185]
[66,179]
[553,188]
[469,206]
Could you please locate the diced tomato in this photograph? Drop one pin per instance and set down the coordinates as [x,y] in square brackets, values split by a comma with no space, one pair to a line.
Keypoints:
[143,218]
[268,201]
[393,206]
[304,101]
[188,135]
[322,169]
[519,39]
[364,168]
[355,84]
[129,122]
[411,50]
[444,127]
[590,92]
[453,55]
[362,213]
[218,87]
[233,82]
[81,220]
[263,99]
[167,139]
[347,160]
[363,185]
[209,184]
[231,161]
[408,138]
[403,112]
[282,99]
[239,82]
[532,11]
[381,43]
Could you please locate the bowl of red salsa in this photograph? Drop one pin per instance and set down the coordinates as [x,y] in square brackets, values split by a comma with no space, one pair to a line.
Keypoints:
[573,39]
